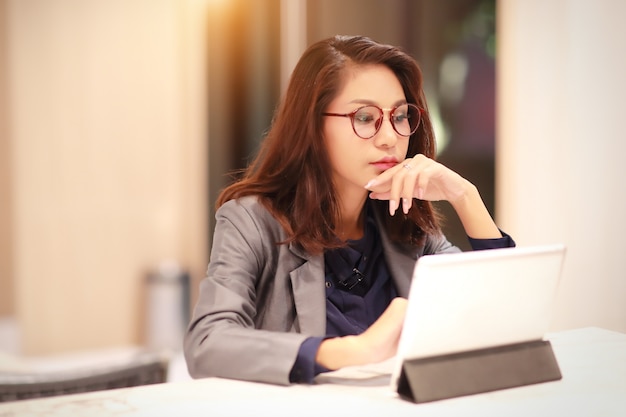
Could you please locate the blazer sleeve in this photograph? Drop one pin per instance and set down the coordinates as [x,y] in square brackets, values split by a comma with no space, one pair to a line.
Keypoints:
[222,339]
[439,244]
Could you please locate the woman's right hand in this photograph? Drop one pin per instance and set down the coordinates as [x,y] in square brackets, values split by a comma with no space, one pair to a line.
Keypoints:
[377,343]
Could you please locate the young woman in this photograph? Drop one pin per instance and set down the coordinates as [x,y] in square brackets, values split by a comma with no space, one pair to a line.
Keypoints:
[314,247]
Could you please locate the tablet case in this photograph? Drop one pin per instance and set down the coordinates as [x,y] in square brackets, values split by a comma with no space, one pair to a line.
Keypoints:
[473,372]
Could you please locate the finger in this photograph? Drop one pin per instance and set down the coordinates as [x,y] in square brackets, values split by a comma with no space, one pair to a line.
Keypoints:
[407,191]
[422,186]
[383,181]
[398,307]
[408,185]
[429,178]
[392,317]
[397,186]
[424,167]
[407,202]
[379,196]
[380,186]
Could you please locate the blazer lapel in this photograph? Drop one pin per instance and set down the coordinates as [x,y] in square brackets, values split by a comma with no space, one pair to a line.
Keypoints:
[309,294]
[400,261]
[401,266]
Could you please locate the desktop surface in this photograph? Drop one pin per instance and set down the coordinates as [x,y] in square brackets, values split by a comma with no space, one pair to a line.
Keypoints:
[592,360]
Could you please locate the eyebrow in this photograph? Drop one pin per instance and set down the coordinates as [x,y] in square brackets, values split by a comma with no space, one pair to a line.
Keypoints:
[373,103]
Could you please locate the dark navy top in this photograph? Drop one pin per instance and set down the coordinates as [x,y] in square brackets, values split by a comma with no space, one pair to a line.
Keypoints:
[358,290]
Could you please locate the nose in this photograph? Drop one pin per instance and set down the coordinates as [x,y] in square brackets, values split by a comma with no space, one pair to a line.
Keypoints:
[386,137]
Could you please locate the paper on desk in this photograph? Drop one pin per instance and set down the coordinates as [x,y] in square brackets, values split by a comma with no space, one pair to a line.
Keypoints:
[378,369]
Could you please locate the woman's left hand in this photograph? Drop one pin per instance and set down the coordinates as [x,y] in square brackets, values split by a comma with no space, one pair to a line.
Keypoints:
[418,177]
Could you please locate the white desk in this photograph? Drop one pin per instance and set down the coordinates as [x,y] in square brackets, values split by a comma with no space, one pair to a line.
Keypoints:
[592,361]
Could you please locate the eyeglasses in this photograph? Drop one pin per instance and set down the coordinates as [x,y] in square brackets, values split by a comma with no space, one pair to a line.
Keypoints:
[367,120]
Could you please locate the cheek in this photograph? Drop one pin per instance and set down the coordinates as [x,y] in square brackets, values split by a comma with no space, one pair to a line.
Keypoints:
[335,146]
[336,154]
[403,148]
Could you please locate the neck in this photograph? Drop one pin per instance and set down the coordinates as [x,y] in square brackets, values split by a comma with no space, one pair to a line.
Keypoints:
[351,222]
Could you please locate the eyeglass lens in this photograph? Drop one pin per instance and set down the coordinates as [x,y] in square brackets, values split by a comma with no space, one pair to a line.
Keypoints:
[368,119]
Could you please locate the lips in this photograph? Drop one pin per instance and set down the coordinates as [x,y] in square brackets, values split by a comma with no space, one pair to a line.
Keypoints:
[385,163]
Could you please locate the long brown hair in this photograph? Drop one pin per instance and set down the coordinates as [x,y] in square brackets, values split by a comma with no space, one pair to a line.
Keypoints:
[291,174]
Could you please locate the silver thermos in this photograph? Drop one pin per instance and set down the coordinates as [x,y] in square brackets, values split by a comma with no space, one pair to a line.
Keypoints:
[167,307]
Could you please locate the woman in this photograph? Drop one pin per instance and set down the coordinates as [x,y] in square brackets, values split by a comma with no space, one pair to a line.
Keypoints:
[314,247]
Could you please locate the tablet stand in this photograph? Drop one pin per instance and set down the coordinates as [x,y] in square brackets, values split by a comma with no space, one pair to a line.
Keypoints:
[473,372]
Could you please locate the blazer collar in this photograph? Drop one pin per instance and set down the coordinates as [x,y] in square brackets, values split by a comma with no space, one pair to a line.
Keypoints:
[400,260]
[307,280]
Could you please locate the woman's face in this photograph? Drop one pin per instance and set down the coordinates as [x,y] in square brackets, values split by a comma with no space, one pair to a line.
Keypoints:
[355,161]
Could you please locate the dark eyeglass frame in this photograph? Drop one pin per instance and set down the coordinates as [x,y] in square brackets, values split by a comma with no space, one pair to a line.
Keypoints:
[392,110]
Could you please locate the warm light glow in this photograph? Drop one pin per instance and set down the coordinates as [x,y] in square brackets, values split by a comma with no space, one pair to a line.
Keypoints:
[218,6]
[442,137]
[453,73]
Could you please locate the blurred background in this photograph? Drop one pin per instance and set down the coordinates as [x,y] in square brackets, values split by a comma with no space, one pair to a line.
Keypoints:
[120,122]
[253,46]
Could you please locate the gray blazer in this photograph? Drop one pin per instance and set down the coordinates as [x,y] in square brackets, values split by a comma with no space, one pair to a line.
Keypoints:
[260,301]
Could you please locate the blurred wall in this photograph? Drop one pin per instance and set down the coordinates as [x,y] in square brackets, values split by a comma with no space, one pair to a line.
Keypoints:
[561,147]
[103,160]
[243,43]
[460,97]
[385,21]
[6,283]
[106,155]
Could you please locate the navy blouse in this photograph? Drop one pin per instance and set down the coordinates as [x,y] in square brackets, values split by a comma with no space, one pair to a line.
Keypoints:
[358,290]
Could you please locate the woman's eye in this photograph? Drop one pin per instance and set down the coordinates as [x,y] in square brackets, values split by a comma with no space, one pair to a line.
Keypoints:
[400,117]
[364,117]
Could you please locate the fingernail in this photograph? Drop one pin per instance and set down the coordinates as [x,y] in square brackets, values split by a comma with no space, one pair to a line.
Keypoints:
[392,207]
[370,184]
[406,205]
[420,193]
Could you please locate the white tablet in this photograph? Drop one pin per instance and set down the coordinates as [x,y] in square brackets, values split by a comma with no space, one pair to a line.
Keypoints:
[473,300]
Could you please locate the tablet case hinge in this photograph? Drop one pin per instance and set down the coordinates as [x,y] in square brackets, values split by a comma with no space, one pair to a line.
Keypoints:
[473,372]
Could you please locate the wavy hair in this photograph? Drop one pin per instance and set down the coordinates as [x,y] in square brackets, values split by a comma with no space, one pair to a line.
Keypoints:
[291,174]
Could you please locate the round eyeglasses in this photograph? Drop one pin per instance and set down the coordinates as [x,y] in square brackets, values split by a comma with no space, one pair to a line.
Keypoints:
[367,120]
